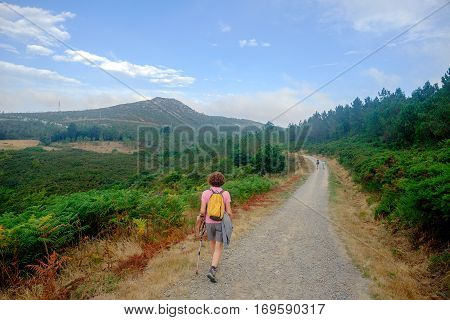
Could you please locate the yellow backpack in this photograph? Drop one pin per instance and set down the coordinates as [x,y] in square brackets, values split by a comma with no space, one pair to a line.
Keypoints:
[216,206]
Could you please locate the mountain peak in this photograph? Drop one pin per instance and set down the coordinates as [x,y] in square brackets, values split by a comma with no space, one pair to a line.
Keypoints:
[161,99]
[157,111]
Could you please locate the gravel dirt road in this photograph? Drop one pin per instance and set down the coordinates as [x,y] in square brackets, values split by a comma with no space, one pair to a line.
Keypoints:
[293,253]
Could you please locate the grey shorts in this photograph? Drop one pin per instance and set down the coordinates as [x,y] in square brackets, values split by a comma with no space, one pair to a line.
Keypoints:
[214,231]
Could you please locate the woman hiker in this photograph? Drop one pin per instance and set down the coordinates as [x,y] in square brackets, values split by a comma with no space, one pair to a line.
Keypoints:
[215,202]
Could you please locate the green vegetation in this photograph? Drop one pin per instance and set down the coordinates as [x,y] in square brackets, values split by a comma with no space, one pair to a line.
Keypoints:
[390,120]
[413,184]
[30,176]
[397,147]
[242,189]
[53,199]
[65,219]
[11,128]
[269,159]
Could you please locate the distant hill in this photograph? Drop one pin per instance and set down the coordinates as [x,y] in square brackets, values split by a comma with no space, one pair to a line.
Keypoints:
[120,119]
[158,111]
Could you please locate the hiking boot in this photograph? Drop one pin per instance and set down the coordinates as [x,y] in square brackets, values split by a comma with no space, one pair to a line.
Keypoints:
[212,274]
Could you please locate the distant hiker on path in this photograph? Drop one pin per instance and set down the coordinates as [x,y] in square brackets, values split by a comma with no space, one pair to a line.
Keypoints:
[215,205]
[317,164]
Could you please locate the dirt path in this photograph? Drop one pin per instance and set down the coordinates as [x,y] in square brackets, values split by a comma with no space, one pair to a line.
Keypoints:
[293,253]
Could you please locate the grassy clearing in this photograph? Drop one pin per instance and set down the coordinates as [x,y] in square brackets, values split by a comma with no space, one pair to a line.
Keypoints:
[397,268]
[102,146]
[93,146]
[17,144]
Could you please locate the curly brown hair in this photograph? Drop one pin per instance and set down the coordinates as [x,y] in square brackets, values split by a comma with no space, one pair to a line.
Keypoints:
[216,179]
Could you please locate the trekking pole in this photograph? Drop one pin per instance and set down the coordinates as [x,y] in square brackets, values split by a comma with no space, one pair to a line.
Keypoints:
[202,232]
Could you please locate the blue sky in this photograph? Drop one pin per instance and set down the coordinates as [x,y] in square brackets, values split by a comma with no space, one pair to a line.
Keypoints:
[248,59]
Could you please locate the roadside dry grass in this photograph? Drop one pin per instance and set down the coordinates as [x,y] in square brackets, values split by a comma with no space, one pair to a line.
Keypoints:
[17,144]
[396,268]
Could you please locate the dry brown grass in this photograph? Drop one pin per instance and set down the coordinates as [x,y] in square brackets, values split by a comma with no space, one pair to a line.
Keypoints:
[396,269]
[103,146]
[88,272]
[94,146]
[17,144]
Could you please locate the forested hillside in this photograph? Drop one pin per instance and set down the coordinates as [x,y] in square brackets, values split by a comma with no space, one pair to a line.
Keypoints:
[397,147]
[391,119]
[113,123]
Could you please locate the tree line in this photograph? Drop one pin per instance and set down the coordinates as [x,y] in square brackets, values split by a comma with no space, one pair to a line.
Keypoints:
[391,118]
[396,147]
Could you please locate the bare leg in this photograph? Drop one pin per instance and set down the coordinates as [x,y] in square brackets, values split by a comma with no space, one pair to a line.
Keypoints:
[217,253]
[212,245]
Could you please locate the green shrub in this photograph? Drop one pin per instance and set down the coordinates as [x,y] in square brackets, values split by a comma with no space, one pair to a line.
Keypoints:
[65,219]
[413,184]
[269,159]
[242,189]
[34,172]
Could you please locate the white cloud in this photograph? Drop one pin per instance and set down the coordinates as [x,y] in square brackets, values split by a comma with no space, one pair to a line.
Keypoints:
[25,89]
[252,43]
[13,25]
[381,15]
[323,65]
[390,16]
[388,81]
[46,99]
[224,27]
[167,76]
[428,41]
[355,52]
[39,50]
[248,43]
[29,72]
[154,74]
[263,106]
[9,48]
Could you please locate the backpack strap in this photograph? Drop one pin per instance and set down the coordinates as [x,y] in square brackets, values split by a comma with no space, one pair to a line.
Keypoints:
[213,192]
